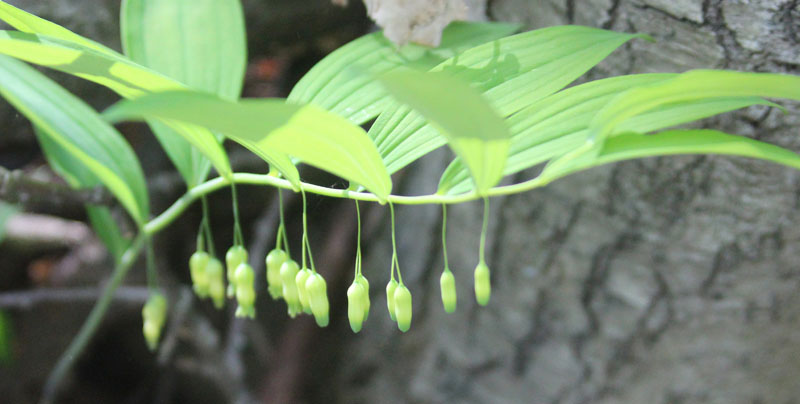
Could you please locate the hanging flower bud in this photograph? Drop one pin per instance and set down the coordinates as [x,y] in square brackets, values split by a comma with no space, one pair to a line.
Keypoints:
[448,286]
[302,293]
[245,291]
[391,287]
[316,288]
[216,282]
[154,313]
[483,285]
[402,307]
[233,258]
[274,260]
[289,271]
[365,284]
[197,270]
[355,305]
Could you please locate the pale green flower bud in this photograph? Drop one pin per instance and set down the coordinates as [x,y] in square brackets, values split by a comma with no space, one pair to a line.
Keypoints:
[289,271]
[233,258]
[245,291]
[197,270]
[391,287]
[302,293]
[483,284]
[274,260]
[154,314]
[448,286]
[365,284]
[402,307]
[216,282]
[355,306]
[317,291]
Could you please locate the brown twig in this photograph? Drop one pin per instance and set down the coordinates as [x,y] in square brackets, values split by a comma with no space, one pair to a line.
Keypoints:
[29,298]
[18,188]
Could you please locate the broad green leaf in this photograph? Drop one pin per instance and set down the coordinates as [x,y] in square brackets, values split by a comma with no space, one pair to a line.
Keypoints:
[306,132]
[333,84]
[118,73]
[512,73]
[78,129]
[473,129]
[691,141]
[77,175]
[559,123]
[199,43]
[6,211]
[27,22]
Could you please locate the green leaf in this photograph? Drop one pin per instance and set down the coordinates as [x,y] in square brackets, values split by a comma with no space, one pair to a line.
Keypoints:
[27,22]
[473,129]
[692,86]
[334,85]
[6,211]
[78,129]
[199,43]
[511,72]
[691,141]
[108,231]
[77,175]
[559,123]
[306,132]
[119,74]
[6,339]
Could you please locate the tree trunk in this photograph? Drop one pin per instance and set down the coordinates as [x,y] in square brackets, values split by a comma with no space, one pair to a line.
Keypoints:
[664,280]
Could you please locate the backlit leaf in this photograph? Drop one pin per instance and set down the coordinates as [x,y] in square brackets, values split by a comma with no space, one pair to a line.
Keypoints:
[306,132]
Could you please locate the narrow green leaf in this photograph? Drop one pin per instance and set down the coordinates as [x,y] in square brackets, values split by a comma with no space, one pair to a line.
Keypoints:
[77,128]
[6,211]
[306,132]
[473,129]
[333,84]
[77,175]
[27,22]
[6,339]
[512,73]
[199,43]
[108,231]
[118,73]
[693,86]
[691,141]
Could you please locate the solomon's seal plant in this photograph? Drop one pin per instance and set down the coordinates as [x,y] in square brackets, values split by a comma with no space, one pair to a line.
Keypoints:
[499,100]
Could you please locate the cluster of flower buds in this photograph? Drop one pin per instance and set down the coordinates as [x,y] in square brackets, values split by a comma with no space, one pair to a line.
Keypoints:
[207,279]
[398,301]
[235,256]
[304,290]
[154,314]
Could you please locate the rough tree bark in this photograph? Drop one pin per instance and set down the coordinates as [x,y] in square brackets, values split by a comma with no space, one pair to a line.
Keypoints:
[666,280]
